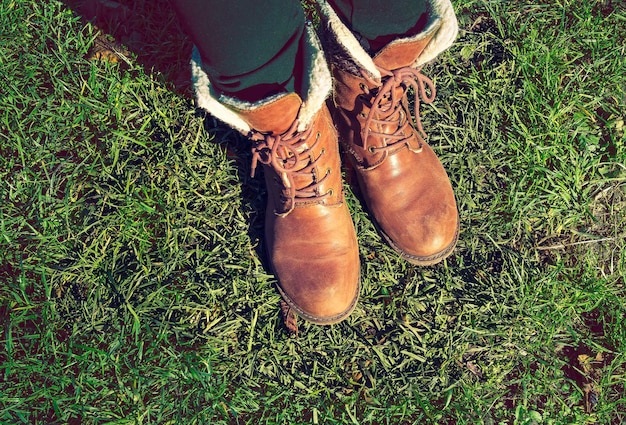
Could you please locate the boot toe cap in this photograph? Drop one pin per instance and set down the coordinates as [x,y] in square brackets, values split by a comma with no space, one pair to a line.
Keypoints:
[425,240]
[321,290]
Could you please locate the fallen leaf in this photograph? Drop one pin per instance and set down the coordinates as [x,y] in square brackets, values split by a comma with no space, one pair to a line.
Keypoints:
[106,50]
[592,368]
[290,319]
[592,394]
[474,369]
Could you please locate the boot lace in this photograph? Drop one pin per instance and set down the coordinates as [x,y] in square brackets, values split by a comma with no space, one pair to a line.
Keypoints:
[391,105]
[290,156]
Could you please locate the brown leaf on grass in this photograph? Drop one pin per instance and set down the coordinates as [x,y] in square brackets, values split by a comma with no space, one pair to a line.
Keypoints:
[474,369]
[592,394]
[290,319]
[468,362]
[107,50]
[592,368]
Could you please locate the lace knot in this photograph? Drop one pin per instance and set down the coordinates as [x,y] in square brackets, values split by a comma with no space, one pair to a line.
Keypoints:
[390,105]
[289,155]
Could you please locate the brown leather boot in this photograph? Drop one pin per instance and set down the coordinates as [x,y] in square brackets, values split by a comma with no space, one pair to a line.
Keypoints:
[404,184]
[310,237]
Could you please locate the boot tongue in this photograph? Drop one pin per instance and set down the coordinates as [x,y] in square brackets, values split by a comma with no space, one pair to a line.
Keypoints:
[275,116]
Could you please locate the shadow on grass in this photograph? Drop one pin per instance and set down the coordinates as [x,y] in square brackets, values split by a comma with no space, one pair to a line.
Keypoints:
[148,29]
[150,32]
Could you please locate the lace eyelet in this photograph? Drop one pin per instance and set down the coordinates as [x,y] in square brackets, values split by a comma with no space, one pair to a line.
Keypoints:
[362,86]
[371,149]
[330,192]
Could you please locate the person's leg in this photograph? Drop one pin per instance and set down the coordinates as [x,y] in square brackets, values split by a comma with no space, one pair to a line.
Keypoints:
[404,185]
[242,46]
[249,48]
[380,21]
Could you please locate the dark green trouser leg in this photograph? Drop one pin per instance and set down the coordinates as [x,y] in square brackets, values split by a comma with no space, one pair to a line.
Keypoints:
[381,21]
[249,48]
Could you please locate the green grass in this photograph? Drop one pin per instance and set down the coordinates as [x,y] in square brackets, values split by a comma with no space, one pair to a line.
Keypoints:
[133,286]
